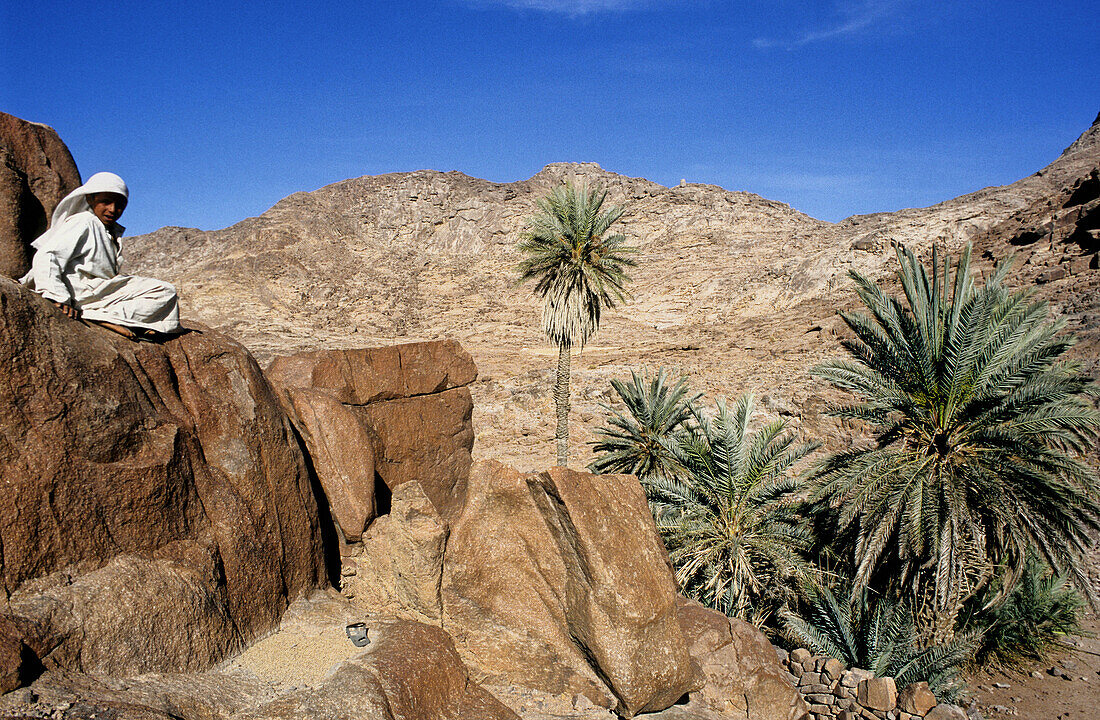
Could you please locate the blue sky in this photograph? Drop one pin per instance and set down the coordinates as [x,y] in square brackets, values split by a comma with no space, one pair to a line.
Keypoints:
[213,111]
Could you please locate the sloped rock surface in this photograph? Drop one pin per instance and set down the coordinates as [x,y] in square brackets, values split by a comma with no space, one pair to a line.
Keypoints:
[743,676]
[77,696]
[157,511]
[558,580]
[342,452]
[36,172]
[411,672]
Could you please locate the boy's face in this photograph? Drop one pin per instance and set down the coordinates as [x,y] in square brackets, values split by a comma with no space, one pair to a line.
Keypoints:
[107,206]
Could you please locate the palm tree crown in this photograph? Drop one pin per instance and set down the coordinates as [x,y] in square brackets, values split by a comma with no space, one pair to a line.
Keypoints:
[976,419]
[576,266]
[636,441]
[728,519]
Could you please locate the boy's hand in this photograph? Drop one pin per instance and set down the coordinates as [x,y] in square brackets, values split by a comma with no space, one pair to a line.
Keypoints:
[68,310]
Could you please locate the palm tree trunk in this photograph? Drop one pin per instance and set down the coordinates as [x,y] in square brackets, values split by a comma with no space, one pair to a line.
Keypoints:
[561,404]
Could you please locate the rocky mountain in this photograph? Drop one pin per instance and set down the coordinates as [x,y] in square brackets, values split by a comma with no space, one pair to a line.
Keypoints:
[185,536]
[737,291]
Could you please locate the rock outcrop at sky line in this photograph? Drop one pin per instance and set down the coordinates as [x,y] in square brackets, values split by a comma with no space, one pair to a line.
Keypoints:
[36,172]
[737,291]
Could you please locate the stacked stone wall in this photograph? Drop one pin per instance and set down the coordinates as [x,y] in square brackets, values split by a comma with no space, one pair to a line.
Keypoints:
[836,692]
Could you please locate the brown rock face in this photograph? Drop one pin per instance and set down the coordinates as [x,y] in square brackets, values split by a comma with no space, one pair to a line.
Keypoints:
[559,581]
[364,376]
[423,677]
[916,699]
[157,510]
[343,457]
[402,412]
[425,439]
[743,674]
[36,171]
[22,642]
[946,711]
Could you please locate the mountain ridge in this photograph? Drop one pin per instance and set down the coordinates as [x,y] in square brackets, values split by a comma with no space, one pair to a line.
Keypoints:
[738,291]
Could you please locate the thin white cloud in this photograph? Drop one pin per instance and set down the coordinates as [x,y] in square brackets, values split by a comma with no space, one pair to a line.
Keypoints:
[853,17]
[572,8]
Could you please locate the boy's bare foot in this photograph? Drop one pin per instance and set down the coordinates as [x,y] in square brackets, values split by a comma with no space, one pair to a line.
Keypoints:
[67,310]
[120,329]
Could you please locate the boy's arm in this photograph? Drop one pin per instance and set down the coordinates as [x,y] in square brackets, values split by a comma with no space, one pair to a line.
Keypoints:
[49,264]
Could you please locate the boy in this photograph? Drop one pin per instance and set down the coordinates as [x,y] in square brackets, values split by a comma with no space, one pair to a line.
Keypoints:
[77,261]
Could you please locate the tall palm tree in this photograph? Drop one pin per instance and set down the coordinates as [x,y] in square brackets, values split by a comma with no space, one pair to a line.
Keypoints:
[637,441]
[976,419]
[578,269]
[728,519]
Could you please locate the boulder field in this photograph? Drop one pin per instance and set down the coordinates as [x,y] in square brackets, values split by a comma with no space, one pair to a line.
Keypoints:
[164,504]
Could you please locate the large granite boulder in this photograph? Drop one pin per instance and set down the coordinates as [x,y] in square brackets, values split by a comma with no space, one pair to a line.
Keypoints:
[555,581]
[157,510]
[36,171]
[401,413]
[744,678]
[560,579]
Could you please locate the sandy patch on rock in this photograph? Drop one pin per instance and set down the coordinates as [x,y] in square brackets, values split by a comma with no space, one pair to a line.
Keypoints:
[308,645]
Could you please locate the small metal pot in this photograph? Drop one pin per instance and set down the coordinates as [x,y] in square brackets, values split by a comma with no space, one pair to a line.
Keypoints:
[357,633]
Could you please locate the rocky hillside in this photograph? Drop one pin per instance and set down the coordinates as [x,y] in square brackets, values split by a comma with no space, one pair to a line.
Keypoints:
[738,291]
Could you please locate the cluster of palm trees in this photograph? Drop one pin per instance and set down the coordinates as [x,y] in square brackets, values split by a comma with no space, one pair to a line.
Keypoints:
[973,473]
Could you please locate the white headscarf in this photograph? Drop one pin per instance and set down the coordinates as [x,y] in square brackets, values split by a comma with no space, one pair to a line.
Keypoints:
[77,202]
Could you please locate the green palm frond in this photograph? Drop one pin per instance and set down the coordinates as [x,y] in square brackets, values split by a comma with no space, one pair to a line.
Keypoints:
[578,269]
[1038,612]
[877,635]
[727,511]
[635,441]
[977,418]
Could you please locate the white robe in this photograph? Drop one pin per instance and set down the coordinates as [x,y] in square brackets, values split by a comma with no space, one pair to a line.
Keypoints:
[77,263]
